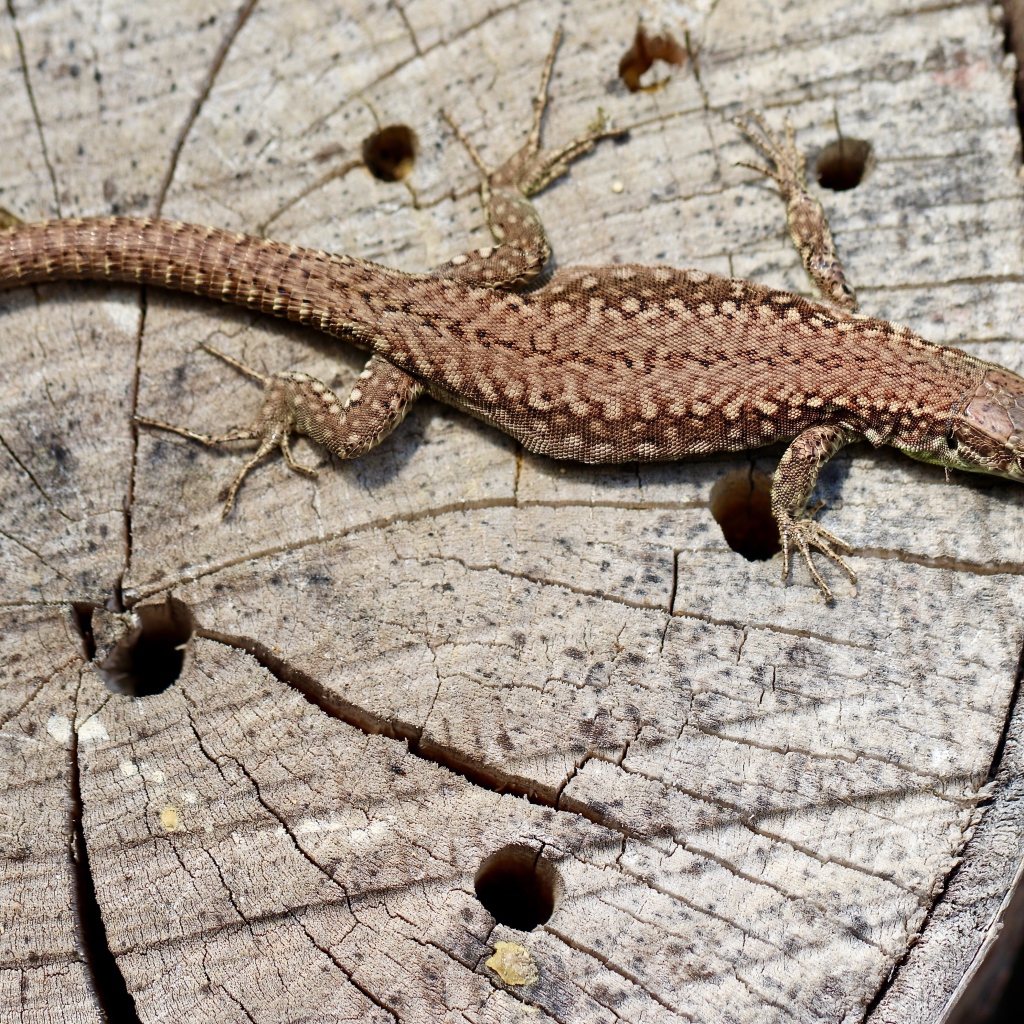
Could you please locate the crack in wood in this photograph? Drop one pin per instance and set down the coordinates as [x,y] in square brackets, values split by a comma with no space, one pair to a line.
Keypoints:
[32,477]
[445,41]
[197,104]
[457,762]
[191,576]
[368,722]
[619,970]
[107,982]
[376,1000]
[32,103]
[133,459]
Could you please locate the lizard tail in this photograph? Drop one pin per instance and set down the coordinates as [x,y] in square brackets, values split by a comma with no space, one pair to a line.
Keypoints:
[331,293]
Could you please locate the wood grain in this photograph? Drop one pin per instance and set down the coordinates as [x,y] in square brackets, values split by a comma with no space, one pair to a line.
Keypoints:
[758,807]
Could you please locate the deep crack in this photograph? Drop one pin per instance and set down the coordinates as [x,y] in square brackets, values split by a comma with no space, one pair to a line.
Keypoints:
[105,978]
[450,758]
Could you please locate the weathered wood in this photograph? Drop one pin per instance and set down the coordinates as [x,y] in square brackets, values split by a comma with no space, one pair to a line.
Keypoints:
[751,806]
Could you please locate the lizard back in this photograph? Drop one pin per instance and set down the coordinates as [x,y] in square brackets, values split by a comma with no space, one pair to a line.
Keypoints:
[611,364]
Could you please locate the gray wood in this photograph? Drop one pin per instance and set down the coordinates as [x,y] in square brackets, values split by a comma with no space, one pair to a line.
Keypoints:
[757,807]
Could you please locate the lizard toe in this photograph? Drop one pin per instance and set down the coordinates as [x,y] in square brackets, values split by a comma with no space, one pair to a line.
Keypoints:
[808,536]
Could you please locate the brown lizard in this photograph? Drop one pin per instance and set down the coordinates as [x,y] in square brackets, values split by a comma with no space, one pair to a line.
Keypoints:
[598,364]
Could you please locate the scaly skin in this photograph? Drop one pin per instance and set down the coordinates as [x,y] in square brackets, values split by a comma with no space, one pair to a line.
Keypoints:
[601,364]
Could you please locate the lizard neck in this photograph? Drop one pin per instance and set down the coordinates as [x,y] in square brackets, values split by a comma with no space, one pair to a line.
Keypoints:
[938,384]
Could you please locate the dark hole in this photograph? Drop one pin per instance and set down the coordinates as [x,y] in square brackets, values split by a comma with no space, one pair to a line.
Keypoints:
[517,886]
[150,657]
[639,58]
[82,616]
[391,152]
[741,503]
[843,164]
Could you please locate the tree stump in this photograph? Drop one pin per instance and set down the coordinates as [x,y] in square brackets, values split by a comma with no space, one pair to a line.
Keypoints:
[453,732]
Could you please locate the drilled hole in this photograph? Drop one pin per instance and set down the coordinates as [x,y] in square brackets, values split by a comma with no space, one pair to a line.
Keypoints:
[517,886]
[150,657]
[391,152]
[640,58]
[843,164]
[741,503]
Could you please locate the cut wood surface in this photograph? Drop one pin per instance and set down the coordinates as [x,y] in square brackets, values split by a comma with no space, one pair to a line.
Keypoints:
[434,667]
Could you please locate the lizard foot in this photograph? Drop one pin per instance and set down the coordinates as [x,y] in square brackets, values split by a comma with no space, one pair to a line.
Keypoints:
[788,165]
[805,534]
[531,169]
[273,427]
[295,403]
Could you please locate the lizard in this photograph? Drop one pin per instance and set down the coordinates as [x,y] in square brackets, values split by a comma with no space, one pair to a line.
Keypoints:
[596,364]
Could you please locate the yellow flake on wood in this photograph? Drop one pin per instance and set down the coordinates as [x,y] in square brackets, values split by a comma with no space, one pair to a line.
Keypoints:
[513,964]
[169,819]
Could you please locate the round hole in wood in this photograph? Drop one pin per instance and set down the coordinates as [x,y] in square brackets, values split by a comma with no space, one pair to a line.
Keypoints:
[741,503]
[150,658]
[390,153]
[642,54]
[517,886]
[843,164]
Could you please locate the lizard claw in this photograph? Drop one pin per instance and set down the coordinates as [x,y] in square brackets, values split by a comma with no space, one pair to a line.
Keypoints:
[789,168]
[806,534]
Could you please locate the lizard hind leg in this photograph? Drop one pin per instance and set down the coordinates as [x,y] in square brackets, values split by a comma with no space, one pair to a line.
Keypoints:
[296,403]
[523,248]
[272,427]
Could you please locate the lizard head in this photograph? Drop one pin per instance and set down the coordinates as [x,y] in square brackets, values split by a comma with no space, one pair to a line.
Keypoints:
[987,436]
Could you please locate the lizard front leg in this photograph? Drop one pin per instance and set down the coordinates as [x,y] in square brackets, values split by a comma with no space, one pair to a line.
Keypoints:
[808,225]
[794,481]
[523,248]
[300,404]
